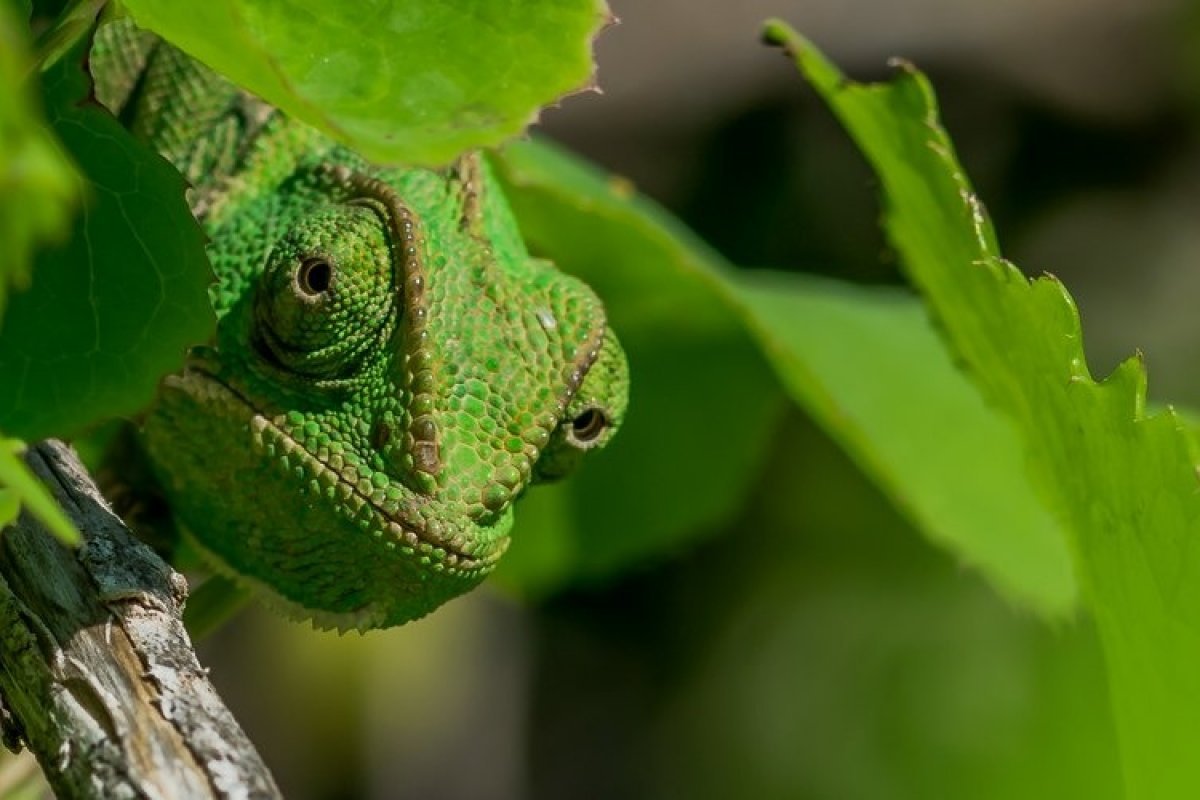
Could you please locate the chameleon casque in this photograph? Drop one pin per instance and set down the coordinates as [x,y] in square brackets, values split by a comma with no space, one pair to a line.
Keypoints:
[391,368]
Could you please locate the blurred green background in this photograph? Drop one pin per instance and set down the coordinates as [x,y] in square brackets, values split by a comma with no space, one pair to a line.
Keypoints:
[815,645]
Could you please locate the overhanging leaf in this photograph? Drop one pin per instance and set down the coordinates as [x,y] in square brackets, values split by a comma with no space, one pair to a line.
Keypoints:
[413,82]
[1124,482]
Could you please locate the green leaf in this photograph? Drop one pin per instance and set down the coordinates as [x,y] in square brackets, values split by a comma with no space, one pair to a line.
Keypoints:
[114,309]
[868,366]
[1123,481]
[697,333]
[18,484]
[413,82]
[38,186]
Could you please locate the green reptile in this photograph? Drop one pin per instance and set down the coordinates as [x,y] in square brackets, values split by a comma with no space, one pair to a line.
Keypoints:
[391,368]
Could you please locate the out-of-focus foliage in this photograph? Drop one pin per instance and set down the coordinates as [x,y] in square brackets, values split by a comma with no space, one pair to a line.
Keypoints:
[864,363]
[867,365]
[1124,482]
[412,82]
[38,186]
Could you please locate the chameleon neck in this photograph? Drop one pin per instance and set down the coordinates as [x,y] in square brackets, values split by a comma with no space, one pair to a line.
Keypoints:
[141,78]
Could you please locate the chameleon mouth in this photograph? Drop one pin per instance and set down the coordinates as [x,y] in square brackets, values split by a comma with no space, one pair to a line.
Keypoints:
[358,499]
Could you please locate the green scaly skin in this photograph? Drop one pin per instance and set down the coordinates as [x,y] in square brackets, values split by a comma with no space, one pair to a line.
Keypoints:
[391,368]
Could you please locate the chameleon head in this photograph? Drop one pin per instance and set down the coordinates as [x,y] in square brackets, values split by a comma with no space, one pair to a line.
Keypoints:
[391,371]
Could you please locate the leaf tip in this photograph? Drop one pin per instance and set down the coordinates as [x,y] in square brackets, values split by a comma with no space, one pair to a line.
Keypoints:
[777,33]
[903,65]
[824,76]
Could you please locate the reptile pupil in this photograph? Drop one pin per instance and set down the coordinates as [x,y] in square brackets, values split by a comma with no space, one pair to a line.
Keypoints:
[588,425]
[315,276]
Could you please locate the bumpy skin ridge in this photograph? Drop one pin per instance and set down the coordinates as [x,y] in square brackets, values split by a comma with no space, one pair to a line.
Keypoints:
[391,370]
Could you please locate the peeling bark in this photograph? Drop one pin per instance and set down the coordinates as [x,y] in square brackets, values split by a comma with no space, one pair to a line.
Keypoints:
[97,674]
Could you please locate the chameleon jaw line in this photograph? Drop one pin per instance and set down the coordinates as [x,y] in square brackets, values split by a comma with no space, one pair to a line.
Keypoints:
[448,554]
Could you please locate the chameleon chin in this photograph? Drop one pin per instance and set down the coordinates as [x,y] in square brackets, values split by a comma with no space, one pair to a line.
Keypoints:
[391,368]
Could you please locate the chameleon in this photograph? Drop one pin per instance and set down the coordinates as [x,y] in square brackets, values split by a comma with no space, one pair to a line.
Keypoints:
[391,368]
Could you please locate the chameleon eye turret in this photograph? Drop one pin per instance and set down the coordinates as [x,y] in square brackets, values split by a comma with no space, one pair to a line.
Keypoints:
[391,369]
[592,417]
[324,300]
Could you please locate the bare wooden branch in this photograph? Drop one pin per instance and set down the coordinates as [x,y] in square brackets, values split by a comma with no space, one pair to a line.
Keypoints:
[97,674]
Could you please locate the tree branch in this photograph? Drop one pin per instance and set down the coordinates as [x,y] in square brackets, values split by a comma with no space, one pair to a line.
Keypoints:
[97,674]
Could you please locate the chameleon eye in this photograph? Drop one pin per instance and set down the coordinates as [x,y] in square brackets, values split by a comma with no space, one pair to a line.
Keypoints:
[325,300]
[314,276]
[587,427]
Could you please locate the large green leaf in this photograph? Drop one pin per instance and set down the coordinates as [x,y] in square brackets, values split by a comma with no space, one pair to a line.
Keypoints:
[114,309]
[38,187]
[868,366]
[864,363]
[415,82]
[1123,481]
